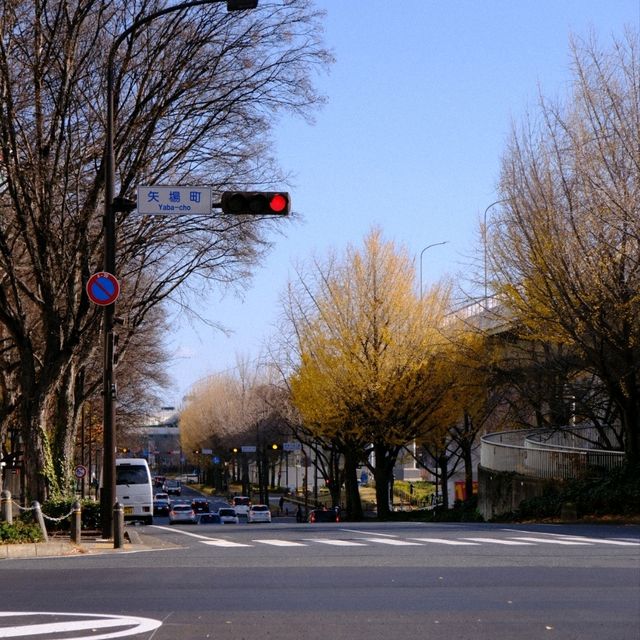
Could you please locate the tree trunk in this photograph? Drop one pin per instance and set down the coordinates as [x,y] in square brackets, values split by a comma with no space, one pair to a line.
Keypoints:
[354,503]
[382,473]
[443,464]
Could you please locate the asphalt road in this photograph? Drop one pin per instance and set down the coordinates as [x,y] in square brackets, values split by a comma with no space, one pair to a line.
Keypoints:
[340,581]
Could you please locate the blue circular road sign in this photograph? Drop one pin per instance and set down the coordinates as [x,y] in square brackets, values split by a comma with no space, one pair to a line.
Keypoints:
[103,288]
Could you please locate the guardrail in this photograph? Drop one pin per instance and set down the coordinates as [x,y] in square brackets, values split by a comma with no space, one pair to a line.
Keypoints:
[526,452]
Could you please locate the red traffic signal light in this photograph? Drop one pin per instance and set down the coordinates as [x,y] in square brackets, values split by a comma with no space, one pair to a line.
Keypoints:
[261,203]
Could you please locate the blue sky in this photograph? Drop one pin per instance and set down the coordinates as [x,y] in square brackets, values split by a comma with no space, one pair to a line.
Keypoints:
[420,102]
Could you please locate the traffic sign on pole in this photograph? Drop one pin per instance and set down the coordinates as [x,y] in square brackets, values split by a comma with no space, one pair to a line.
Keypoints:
[178,201]
[103,288]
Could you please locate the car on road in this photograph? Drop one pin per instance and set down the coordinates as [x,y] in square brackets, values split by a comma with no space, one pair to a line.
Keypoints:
[200,505]
[228,515]
[259,513]
[161,496]
[161,507]
[182,513]
[173,487]
[241,504]
[323,515]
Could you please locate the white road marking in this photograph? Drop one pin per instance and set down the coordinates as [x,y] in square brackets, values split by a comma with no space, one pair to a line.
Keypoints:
[394,543]
[552,541]
[446,541]
[83,622]
[370,533]
[336,542]
[498,541]
[620,543]
[281,543]
[184,533]
[224,543]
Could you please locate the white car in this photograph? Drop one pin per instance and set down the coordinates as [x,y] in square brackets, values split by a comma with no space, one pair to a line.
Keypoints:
[228,515]
[259,513]
[241,504]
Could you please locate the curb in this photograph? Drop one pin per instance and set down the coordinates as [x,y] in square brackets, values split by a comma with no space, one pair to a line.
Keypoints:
[39,550]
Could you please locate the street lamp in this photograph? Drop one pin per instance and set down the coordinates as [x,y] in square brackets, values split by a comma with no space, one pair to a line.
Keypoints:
[434,244]
[112,205]
[484,242]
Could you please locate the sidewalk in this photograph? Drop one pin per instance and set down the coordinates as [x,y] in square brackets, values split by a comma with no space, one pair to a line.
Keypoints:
[91,545]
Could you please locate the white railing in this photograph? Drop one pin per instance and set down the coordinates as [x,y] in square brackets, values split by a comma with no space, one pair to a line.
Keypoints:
[522,452]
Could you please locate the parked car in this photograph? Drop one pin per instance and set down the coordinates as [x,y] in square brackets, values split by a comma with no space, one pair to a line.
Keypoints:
[228,515]
[200,505]
[324,515]
[259,513]
[241,505]
[182,513]
[173,487]
[161,507]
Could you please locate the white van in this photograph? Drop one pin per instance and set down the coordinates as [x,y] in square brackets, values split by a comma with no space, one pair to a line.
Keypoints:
[134,489]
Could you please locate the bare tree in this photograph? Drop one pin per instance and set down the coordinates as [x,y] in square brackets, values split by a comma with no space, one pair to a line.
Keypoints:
[196,95]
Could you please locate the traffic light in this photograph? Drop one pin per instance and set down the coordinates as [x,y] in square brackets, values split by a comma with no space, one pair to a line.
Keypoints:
[275,446]
[259,203]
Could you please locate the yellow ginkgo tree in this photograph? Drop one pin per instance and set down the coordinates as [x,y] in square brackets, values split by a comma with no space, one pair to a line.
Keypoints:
[372,361]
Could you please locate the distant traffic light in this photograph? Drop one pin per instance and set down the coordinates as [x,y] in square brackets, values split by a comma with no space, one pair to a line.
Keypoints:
[275,446]
[259,203]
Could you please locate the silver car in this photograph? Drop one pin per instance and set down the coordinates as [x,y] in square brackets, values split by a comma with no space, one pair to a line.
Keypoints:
[228,515]
[182,513]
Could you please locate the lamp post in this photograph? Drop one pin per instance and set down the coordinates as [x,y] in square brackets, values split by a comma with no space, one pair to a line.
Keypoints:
[484,242]
[434,244]
[111,206]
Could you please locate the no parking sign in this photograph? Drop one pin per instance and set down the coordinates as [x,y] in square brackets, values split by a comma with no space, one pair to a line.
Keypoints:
[103,288]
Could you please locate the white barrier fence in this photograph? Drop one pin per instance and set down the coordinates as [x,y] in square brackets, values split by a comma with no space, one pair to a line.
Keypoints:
[527,452]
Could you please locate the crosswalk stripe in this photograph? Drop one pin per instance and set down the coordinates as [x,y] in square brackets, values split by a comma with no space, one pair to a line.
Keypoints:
[224,543]
[498,541]
[620,543]
[552,541]
[445,541]
[337,543]
[281,543]
[393,542]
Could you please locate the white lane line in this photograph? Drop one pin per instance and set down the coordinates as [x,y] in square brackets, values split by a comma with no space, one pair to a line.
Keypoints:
[445,541]
[369,533]
[394,543]
[215,542]
[498,541]
[552,541]
[281,543]
[88,622]
[336,542]
[620,543]
[225,543]
[184,533]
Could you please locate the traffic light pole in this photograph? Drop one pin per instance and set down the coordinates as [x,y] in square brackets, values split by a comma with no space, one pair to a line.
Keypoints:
[108,492]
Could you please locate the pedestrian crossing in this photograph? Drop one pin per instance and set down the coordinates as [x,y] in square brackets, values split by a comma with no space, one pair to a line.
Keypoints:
[365,540]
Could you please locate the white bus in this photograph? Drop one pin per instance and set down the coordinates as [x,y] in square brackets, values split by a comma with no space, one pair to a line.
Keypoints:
[134,489]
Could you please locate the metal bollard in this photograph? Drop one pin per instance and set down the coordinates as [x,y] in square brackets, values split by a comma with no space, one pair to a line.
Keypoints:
[76,523]
[118,526]
[6,510]
[38,511]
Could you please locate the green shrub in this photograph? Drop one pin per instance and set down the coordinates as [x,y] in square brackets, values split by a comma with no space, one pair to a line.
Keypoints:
[615,493]
[19,532]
